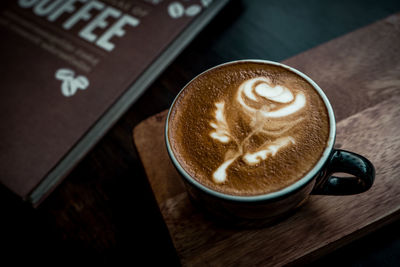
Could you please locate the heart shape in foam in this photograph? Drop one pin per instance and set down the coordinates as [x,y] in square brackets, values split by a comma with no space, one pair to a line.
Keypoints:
[278,93]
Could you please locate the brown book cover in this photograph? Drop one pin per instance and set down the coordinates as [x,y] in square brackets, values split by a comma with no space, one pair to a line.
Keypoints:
[68,71]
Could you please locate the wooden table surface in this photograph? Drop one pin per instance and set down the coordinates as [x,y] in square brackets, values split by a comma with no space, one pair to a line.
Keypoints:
[105,212]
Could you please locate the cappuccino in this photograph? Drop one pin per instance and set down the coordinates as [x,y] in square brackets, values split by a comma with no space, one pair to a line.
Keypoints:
[248,128]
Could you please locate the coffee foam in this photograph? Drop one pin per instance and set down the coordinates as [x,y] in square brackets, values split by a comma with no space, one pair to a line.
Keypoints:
[251,91]
[248,128]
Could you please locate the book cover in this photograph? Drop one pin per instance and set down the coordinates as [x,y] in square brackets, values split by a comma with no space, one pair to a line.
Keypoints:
[68,71]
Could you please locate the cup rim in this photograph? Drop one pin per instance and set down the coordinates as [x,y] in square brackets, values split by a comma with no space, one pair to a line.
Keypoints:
[272,195]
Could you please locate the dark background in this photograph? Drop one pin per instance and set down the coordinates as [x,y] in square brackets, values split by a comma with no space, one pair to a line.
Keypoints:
[105,212]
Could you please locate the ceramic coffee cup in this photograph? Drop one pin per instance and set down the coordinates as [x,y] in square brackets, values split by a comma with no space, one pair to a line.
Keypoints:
[268,207]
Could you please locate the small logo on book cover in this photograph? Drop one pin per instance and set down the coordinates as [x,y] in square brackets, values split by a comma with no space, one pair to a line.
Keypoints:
[177,10]
[70,84]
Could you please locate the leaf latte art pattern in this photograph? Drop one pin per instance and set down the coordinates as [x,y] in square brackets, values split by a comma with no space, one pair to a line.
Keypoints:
[220,125]
[262,103]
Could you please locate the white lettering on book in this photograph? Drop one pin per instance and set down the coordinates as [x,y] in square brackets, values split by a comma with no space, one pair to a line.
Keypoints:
[116,30]
[55,9]
[82,14]
[44,7]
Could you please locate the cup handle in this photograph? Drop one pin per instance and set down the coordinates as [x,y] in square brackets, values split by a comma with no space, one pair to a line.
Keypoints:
[347,162]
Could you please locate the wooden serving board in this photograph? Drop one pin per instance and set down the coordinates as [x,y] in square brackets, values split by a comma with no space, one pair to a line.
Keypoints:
[360,72]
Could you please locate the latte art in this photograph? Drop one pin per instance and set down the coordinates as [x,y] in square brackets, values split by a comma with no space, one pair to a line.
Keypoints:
[220,125]
[248,128]
[276,94]
[281,102]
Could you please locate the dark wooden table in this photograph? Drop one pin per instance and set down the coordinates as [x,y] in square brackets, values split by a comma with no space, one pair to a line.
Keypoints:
[105,212]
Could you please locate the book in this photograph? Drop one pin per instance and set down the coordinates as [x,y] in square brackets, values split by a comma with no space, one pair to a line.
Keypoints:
[70,68]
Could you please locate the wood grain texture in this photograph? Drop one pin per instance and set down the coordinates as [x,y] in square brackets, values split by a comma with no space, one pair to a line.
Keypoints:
[358,69]
[164,185]
[323,224]
[360,74]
